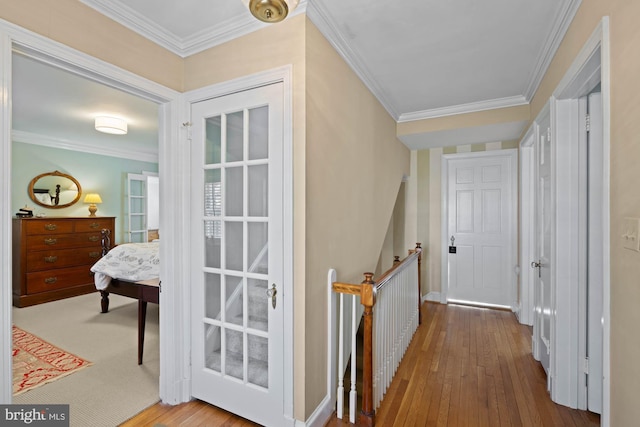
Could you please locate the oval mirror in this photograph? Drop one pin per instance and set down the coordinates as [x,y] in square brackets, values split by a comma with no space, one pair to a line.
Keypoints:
[54,190]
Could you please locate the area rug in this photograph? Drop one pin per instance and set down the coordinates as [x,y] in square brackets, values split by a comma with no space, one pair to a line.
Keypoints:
[36,362]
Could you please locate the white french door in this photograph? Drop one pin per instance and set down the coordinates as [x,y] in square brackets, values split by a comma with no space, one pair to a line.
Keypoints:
[544,220]
[481,230]
[137,208]
[238,254]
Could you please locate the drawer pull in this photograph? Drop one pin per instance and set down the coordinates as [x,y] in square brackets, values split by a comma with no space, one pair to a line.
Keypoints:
[94,254]
[94,225]
[94,238]
[50,241]
[50,227]
[50,259]
[50,280]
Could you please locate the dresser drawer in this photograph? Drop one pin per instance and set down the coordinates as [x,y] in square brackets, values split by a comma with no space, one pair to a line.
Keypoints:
[96,224]
[63,241]
[58,279]
[48,227]
[52,259]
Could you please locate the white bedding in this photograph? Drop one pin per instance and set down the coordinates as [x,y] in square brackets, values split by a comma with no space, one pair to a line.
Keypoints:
[129,261]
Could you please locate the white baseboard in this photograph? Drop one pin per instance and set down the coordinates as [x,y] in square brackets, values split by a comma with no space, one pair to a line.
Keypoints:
[431,296]
[320,416]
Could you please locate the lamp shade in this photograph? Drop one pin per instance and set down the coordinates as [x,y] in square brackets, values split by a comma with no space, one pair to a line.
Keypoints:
[92,198]
[111,125]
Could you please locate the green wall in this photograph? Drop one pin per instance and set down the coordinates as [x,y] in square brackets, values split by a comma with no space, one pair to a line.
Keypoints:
[104,175]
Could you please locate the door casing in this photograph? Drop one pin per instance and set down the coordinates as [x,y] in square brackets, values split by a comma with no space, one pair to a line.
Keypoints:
[278,75]
[173,365]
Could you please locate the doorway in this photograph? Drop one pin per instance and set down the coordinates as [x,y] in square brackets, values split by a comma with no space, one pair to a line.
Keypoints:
[580,236]
[166,99]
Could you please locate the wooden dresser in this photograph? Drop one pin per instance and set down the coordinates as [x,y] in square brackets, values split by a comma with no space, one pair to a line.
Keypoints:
[52,257]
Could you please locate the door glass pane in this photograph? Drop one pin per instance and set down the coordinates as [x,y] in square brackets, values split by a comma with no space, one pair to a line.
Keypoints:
[235,132]
[212,295]
[258,348]
[137,222]
[258,304]
[258,133]
[212,193]
[258,190]
[212,243]
[233,245]
[233,192]
[213,141]
[258,257]
[234,354]
[212,346]
[213,208]
[234,305]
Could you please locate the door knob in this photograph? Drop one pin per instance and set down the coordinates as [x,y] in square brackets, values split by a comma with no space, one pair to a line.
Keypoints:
[537,265]
[271,293]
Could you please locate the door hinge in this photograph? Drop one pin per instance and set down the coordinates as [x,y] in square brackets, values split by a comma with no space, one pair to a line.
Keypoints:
[549,135]
[187,126]
[587,122]
[585,365]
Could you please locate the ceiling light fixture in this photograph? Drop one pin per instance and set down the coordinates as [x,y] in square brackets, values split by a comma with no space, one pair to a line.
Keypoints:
[271,11]
[111,125]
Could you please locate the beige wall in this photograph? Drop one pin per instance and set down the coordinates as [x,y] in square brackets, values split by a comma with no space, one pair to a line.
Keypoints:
[76,25]
[625,174]
[355,166]
[479,118]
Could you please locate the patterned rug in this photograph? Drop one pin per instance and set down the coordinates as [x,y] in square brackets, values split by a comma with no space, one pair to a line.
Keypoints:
[36,362]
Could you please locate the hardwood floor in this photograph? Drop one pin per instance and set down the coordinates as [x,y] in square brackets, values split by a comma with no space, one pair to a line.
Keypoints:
[465,367]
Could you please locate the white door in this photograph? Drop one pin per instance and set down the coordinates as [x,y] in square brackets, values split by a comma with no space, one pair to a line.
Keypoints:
[543,228]
[481,231]
[237,253]
[137,208]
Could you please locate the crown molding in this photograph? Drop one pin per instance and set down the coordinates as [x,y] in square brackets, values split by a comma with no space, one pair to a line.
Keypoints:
[183,47]
[471,107]
[320,18]
[551,45]
[65,144]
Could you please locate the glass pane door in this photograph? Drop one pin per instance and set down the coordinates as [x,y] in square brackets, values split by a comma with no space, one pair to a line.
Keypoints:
[236,246]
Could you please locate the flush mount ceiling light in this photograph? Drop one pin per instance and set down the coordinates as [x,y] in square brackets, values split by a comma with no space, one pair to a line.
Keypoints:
[111,125]
[271,10]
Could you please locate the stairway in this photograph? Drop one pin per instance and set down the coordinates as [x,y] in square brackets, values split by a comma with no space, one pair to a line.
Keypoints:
[257,346]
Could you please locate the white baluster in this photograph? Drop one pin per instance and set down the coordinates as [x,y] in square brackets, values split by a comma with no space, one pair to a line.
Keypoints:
[353,395]
[340,392]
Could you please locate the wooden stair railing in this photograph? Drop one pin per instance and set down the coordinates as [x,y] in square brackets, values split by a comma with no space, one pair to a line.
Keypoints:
[367,291]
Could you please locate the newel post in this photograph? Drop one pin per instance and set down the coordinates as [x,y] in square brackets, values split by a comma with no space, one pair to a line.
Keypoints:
[368,300]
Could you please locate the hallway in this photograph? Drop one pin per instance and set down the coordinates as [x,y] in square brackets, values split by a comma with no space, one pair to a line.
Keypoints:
[466,366]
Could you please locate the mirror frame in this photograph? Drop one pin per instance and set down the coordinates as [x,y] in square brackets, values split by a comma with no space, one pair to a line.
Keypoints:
[61,175]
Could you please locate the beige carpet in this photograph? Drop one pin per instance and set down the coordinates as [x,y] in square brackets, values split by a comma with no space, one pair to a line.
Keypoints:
[115,387]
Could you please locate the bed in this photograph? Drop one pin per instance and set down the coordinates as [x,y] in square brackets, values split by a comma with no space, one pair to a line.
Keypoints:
[131,270]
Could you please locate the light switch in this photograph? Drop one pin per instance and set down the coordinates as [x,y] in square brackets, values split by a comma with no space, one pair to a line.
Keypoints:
[631,233]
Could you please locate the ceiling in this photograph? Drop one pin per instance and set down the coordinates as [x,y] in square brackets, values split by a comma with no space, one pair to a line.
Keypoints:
[421,59]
